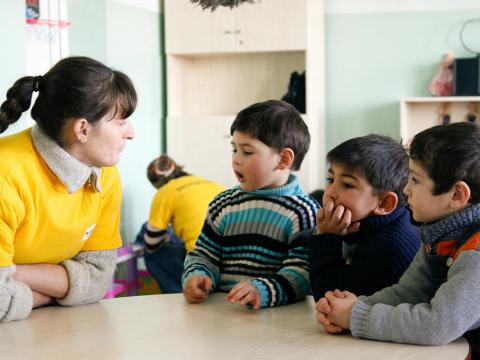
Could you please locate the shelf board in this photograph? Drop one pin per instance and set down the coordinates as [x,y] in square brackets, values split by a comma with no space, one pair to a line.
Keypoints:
[437,99]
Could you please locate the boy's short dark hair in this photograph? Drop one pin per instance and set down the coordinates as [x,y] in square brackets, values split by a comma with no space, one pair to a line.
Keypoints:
[450,153]
[382,160]
[278,125]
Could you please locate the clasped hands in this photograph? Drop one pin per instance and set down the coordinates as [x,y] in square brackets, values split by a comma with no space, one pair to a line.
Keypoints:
[198,287]
[333,311]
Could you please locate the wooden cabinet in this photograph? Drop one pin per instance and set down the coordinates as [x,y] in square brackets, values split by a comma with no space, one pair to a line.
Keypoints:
[190,30]
[218,63]
[270,25]
[420,113]
[266,25]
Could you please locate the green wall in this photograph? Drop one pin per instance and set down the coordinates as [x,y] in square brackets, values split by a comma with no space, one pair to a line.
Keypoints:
[126,37]
[87,34]
[374,59]
[13,39]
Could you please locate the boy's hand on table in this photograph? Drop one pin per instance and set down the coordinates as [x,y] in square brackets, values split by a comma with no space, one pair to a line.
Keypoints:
[333,311]
[335,220]
[323,308]
[341,304]
[245,293]
[197,288]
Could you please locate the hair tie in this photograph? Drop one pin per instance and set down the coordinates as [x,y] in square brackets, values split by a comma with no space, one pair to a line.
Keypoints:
[166,173]
[36,83]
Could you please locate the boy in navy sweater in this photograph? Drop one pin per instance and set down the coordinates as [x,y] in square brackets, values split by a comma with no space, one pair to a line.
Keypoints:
[364,240]
[436,300]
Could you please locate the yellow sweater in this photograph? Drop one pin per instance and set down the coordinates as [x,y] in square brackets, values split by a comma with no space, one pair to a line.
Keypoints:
[40,221]
[183,202]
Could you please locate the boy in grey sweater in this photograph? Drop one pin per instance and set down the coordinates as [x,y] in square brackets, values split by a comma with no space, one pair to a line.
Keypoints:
[436,300]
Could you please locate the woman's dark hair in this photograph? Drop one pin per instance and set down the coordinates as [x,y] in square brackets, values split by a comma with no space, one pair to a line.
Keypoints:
[75,87]
[163,169]
[450,153]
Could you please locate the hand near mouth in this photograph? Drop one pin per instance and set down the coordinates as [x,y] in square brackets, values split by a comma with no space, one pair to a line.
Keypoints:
[337,220]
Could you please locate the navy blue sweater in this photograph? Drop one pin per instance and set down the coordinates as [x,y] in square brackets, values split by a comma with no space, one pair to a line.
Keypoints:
[366,261]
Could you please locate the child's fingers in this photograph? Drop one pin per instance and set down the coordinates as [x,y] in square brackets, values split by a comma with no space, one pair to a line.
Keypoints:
[249,298]
[330,296]
[206,283]
[258,302]
[346,218]
[329,208]
[197,293]
[234,289]
[238,292]
[348,293]
[333,329]
[354,227]
[323,306]
[322,319]
[194,294]
[338,214]
[191,299]
[339,294]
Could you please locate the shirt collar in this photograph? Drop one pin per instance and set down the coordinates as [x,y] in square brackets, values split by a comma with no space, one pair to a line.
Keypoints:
[71,172]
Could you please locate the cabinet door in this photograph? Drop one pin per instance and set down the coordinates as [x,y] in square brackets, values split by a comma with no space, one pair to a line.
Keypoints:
[191,30]
[271,25]
[202,145]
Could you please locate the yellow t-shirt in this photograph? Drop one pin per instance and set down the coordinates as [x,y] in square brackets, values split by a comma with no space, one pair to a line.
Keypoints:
[40,222]
[183,202]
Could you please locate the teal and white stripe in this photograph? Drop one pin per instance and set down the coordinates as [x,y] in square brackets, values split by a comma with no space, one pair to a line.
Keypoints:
[253,236]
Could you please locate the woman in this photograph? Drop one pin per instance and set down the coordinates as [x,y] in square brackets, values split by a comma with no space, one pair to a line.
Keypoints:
[60,191]
[180,204]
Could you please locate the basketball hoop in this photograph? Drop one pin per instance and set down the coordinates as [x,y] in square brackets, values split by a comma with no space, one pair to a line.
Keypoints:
[47,30]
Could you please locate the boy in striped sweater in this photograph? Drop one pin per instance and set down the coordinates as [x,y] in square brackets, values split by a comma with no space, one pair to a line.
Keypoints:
[250,245]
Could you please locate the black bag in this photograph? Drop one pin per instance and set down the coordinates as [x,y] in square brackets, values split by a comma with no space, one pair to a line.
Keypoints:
[296,91]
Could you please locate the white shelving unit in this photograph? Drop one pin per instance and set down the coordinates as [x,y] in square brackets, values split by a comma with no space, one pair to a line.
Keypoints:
[420,113]
[220,62]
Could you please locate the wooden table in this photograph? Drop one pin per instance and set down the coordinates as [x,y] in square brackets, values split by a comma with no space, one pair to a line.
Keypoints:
[166,327]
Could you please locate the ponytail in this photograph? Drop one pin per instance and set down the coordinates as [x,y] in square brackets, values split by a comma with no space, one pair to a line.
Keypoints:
[19,98]
[163,169]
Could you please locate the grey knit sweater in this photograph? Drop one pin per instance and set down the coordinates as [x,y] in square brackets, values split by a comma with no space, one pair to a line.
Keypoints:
[419,310]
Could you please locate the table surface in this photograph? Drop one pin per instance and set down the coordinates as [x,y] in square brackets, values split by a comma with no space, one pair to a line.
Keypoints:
[167,327]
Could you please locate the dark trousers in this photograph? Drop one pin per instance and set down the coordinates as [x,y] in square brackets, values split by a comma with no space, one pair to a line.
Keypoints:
[473,338]
[166,264]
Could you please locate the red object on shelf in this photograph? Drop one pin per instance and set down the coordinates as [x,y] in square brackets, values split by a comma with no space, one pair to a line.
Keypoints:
[48,22]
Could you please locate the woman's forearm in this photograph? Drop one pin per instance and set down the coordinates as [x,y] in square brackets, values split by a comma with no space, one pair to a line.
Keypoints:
[47,279]
[40,299]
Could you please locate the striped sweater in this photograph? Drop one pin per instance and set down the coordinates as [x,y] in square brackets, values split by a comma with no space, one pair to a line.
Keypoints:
[254,236]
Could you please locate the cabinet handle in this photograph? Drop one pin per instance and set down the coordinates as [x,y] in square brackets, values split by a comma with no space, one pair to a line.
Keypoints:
[227,32]
[238,31]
